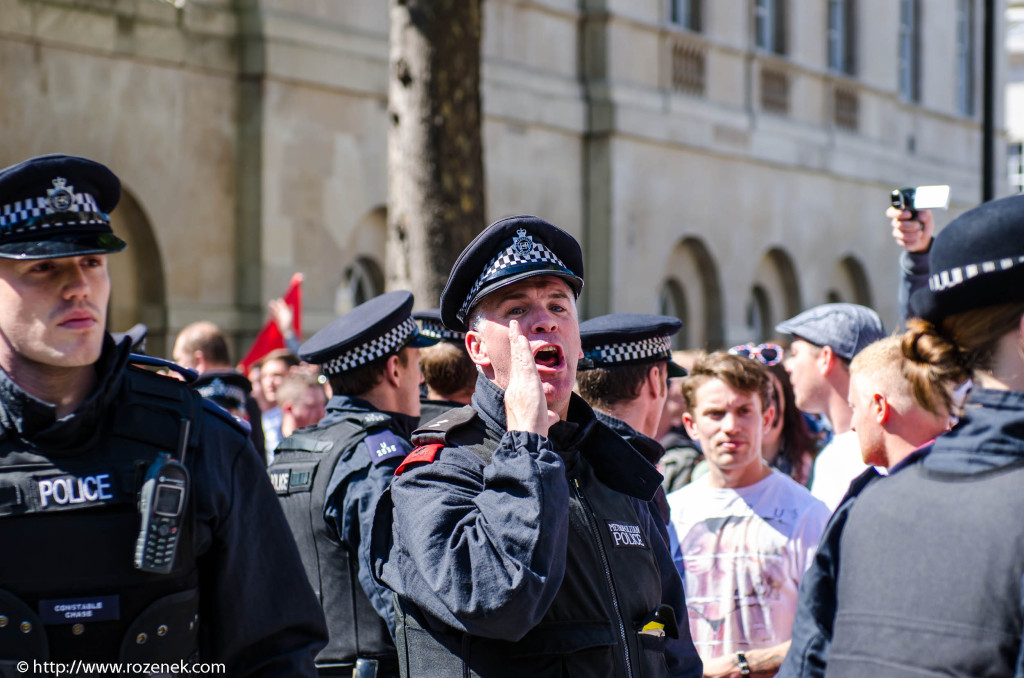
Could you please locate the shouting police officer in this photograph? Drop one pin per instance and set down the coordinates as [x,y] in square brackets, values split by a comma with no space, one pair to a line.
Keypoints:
[137,523]
[518,538]
[329,476]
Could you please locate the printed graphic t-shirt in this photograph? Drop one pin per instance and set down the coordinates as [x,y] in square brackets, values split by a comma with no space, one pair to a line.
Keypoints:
[741,554]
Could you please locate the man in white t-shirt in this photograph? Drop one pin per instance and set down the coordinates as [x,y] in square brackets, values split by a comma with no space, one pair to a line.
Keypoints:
[743,534]
[825,340]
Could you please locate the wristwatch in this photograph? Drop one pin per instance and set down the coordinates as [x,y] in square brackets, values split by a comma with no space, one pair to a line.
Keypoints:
[741,661]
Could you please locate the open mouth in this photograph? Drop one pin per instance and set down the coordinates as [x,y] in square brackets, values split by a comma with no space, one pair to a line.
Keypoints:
[549,356]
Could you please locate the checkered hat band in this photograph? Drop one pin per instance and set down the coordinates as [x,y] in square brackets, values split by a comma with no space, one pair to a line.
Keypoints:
[83,210]
[953,277]
[438,331]
[376,348]
[644,349]
[507,258]
[218,389]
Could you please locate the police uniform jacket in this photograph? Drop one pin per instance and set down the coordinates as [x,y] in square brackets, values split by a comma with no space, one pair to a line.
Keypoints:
[516,554]
[652,451]
[933,557]
[69,520]
[348,458]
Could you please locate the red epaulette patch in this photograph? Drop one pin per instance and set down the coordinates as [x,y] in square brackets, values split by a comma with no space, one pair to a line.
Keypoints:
[426,454]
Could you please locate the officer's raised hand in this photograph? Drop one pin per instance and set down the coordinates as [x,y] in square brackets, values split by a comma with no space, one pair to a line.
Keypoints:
[526,408]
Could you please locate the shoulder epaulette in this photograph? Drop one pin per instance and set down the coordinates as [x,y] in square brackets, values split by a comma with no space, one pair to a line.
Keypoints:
[436,431]
[421,455]
[154,406]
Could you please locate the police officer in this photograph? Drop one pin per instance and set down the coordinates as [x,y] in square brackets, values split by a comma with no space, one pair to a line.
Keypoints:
[624,377]
[449,373]
[230,390]
[127,506]
[517,537]
[329,476]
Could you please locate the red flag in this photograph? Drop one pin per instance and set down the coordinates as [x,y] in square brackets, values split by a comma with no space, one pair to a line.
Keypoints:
[270,337]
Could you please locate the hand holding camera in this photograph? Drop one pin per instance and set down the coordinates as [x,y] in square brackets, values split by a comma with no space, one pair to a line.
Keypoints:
[911,215]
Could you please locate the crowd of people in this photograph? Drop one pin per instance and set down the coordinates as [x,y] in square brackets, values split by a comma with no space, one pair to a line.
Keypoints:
[495,488]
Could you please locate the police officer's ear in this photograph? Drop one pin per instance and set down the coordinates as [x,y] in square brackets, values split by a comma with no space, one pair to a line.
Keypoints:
[656,382]
[393,371]
[477,349]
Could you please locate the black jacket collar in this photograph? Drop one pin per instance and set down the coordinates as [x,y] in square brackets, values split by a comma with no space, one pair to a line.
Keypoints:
[343,407]
[650,448]
[25,416]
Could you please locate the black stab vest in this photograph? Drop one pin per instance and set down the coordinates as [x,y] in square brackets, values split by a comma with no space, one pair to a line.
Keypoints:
[68,526]
[302,468]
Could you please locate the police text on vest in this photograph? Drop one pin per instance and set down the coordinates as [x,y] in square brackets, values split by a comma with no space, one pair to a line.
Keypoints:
[74,490]
[626,535]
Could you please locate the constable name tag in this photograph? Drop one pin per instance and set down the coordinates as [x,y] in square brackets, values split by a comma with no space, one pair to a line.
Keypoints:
[77,610]
[72,490]
[625,535]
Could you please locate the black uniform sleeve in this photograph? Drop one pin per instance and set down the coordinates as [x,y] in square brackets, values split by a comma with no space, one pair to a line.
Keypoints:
[482,547]
[350,509]
[914,270]
[258,613]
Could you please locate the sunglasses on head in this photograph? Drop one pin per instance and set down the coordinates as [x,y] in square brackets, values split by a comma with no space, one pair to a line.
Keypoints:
[766,354]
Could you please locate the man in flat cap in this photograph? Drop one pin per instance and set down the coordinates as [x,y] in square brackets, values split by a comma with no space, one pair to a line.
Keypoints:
[825,340]
[329,476]
[517,537]
[127,504]
[624,377]
[448,371]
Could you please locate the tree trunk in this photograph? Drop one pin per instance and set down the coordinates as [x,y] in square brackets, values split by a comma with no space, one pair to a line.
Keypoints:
[435,154]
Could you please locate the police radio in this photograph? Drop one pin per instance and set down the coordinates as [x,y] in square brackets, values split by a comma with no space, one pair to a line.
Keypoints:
[162,503]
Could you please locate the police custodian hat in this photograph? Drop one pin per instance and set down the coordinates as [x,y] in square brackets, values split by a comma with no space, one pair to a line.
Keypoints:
[374,329]
[57,206]
[227,389]
[976,261]
[629,339]
[432,327]
[507,251]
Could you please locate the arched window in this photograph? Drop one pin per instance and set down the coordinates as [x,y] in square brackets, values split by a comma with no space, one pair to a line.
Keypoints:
[672,301]
[759,315]
[364,280]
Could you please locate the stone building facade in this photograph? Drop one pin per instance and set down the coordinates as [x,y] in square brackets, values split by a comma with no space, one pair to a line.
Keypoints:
[726,161]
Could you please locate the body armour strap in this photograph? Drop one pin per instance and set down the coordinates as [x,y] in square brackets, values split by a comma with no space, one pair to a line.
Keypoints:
[71,521]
